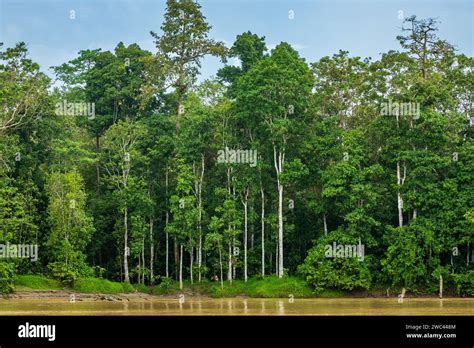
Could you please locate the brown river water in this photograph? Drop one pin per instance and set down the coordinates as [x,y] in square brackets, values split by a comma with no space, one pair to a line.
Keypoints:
[240,306]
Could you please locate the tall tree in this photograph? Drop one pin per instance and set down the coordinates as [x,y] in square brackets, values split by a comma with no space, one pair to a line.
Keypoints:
[183,44]
[71,227]
[24,96]
[119,154]
[275,91]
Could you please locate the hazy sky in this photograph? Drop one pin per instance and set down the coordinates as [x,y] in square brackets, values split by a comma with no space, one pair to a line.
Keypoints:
[320,27]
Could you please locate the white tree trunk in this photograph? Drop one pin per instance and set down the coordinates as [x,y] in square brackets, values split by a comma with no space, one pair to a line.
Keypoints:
[325,225]
[181,268]
[400,182]
[191,256]
[245,204]
[152,250]
[200,217]
[167,249]
[279,160]
[280,231]
[276,256]
[229,270]
[233,261]
[263,230]
[143,259]
[125,240]
[440,286]
[166,224]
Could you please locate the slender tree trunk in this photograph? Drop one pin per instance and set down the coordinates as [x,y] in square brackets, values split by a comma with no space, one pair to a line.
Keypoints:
[252,225]
[181,90]
[166,224]
[125,239]
[262,220]
[199,256]
[181,268]
[152,251]
[280,230]
[191,261]
[279,162]
[233,261]
[143,260]
[167,249]
[400,182]
[276,257]
[229,270]
[440,286]
[200,217]
[139,268]
[325,225]
[97,166]
[245,203]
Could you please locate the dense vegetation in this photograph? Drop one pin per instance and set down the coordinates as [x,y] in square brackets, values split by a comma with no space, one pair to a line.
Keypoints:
[126,168]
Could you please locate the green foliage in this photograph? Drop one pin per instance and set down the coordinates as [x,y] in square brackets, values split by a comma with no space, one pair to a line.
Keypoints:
[166,286]
[63,272]
[464,283]
[268,287]
[7,271]
[143,288]
[82,285]
[104,286]
[37,282]
[331,271]
[404,258]
[249,49]
[23,91]
[71,227]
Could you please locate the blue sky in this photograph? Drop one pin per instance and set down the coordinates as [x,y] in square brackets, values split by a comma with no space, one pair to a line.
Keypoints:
[365,28]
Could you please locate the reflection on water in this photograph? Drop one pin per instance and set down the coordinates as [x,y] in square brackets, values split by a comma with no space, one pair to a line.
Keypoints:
[240,306]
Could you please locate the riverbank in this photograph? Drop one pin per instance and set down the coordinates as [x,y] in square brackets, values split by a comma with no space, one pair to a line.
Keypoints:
[270,287]
[72,296]
[41,287]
